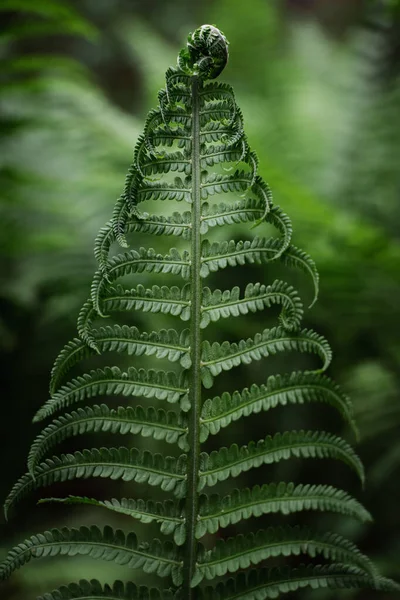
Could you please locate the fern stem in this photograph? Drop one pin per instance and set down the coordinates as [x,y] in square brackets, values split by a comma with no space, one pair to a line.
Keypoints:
[195,341]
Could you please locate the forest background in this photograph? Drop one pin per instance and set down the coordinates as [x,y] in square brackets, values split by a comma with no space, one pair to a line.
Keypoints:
[318,83]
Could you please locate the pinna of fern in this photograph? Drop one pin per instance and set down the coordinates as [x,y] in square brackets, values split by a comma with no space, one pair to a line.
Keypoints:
[196,128]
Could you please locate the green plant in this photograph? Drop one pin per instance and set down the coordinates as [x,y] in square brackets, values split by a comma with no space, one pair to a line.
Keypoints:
[197,125]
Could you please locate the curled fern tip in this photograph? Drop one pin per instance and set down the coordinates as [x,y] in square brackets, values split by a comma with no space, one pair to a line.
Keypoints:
[206,54]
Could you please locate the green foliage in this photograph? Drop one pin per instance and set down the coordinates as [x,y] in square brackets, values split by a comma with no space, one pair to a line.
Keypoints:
[159,424]
[286,498]
[296,388]
[197,126]
[244,550]
[111,380]
[94,589]
[53,17]
[153,558]
[230,462]
[167,513]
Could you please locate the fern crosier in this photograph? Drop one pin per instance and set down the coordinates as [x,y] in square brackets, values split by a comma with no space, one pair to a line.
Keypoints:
[196,128]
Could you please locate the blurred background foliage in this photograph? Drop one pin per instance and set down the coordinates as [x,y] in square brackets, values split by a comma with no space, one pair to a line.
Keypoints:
[318,83]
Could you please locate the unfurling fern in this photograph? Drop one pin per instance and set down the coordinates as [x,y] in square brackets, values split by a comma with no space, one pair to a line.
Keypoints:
[196,129]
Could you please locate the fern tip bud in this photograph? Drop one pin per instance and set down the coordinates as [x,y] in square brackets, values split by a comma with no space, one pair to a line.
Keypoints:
[206,54]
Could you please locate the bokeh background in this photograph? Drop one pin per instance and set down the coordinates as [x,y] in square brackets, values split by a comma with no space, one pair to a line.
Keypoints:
[318,83]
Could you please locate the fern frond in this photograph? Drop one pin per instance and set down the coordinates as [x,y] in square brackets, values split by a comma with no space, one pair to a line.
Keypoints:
[217,91]
[119,219]
[174,161]
[114,463]
[219,255]
[245,211]
[178,191]
[167,138]
[85,318]
[230,462]
[239,181]
[177,225]
[159,424]
[218,110]
[216,132]
[294,388]
[162,344]
[217,304]
[230,134]
[239,552]
[138,262]
[297,258]
[94,590]
[214,155]
[109,545]
[167,513]
[263,191]
[285,498]
[112,381]
[194,148]
[176,116]
[223,357]
[102,245]
[264,584]
[167,300]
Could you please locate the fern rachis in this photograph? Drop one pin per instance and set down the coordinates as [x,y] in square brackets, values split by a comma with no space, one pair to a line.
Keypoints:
[197,127]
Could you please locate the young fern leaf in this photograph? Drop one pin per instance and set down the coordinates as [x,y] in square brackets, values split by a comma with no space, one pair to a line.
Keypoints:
[159,424]
[223,357]
[230,462]
[138,262]
[112,381]
[244,550]
[91,590]
[295,388]
[163,344]
[106,545]
[166,513]
[266,583]
[285,498]
[192,150]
